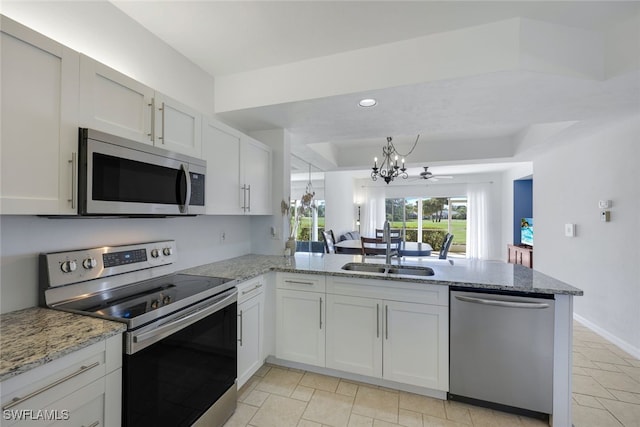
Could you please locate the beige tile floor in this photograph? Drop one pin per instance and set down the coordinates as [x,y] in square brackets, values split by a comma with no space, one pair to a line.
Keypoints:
[606,392]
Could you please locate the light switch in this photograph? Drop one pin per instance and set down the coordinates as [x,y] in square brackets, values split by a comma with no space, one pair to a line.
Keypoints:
[570,230]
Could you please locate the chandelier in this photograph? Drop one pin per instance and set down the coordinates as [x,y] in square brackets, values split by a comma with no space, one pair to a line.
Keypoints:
[389,169]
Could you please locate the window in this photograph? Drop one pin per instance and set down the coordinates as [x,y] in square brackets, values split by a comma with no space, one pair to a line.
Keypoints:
[427,220]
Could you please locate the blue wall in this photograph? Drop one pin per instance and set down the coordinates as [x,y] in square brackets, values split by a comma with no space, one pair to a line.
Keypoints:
[522,205]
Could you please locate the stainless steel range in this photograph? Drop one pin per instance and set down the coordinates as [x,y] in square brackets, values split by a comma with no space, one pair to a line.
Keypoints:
[180,354]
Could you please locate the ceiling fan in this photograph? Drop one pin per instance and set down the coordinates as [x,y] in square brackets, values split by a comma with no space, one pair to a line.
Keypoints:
[426,174]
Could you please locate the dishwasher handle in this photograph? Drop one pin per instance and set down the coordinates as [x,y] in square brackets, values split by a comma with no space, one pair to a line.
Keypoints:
[499,303]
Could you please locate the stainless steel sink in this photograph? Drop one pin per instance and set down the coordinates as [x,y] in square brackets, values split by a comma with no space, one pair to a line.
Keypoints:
[410,270]
[367,268]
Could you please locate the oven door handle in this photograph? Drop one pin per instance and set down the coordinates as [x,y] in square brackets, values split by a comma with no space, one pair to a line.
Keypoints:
[138,341]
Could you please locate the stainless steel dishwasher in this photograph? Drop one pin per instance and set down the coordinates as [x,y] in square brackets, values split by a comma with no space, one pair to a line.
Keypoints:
[501,350]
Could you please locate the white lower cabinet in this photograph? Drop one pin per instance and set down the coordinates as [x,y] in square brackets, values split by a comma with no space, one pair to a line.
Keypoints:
[250,328]
[354,335]
[300,317]
[389,330]
[416,344]
[83,388]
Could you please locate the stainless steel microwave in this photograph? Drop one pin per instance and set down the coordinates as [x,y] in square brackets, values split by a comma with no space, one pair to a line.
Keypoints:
[120,177]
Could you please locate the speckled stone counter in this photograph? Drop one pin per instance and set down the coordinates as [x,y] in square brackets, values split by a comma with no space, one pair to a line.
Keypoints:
[473,274]
[34,336]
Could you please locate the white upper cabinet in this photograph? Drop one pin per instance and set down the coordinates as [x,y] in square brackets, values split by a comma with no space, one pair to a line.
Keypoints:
[114,103]
[238,179]
[39,136]
[256,169]
[177,127]
[221,150]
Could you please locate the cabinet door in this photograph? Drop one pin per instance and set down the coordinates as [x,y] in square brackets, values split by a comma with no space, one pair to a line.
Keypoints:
[256,167]
[114,103]
[177,127]
[250,337]
[39,135]
[415,348]
[221,150]
[300,326]
[354,335]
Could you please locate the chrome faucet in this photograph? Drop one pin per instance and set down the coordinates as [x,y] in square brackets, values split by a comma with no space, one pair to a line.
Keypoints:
[386,237]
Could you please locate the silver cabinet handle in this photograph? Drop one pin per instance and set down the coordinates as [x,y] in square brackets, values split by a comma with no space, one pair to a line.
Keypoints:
[498,303]
[296,282]
[377,320]
[240,316]
[386,322]
[152,111]
[252,289]
[93,424]
[161,137]
[74,178]
[244,198]
[17,400]
[320,312]
[249,189]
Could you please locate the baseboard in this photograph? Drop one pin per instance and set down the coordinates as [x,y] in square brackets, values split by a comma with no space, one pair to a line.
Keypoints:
[633,351]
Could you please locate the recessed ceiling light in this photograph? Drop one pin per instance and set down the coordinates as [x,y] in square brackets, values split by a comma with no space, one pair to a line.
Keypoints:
[368,102]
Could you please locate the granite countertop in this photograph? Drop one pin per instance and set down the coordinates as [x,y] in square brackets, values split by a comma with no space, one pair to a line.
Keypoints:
[473,274]
[34,336]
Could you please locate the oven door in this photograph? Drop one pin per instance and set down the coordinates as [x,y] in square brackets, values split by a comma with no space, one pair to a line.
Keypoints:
[121,177]
[176,369]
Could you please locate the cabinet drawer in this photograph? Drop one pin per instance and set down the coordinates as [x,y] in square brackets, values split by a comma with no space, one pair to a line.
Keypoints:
[301,282]
[250,288]
[42,386]
[422,293]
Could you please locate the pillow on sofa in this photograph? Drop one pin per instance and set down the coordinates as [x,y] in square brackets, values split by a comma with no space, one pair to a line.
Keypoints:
[351,235]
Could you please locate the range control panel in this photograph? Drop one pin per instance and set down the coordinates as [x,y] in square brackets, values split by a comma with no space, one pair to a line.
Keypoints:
[64,268]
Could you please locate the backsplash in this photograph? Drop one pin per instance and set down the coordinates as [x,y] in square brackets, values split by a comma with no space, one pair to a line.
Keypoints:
[198,241]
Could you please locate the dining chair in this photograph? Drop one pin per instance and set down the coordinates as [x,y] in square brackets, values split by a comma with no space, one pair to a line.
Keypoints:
[377,246]
[446,244]
[395,232]
[329,241]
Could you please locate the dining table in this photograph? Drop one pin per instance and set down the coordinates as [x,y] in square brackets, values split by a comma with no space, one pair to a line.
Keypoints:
[354,246]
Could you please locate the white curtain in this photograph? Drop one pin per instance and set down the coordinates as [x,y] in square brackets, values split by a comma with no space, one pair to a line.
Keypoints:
[478,221]
[374,210]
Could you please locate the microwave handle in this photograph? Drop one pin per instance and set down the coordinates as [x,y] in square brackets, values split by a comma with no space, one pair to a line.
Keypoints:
[184,169]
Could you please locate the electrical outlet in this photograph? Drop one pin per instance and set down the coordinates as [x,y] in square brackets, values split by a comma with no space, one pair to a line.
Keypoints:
[570,230]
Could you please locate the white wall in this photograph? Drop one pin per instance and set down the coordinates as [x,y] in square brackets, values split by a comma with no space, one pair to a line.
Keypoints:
[24,237]
[604,257]
[103,32]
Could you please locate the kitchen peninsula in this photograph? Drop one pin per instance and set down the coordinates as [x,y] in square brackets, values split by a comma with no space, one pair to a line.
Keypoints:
[312,286]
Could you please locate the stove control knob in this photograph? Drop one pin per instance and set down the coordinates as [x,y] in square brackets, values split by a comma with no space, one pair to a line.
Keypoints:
[155,304]
[155,253]
[68,266]
[167,251]
[166,300]
[89,263]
